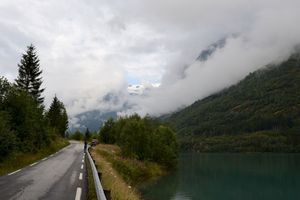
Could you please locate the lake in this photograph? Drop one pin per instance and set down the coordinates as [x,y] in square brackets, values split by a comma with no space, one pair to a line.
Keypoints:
[230,176]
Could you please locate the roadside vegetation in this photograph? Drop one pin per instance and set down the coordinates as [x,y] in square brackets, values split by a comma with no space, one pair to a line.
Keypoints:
[18,160]
[133,152]
[86,135]
[143,139]
[91,190]
[27,130]
[123,176]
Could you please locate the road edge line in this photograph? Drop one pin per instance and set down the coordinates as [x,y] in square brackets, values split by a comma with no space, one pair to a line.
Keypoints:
[78,193]
[14,172]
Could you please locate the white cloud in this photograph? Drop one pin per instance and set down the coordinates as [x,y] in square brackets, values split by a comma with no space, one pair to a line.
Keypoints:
[92,48]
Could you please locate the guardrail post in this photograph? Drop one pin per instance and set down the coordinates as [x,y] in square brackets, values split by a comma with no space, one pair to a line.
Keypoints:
[107,194]
[100,175]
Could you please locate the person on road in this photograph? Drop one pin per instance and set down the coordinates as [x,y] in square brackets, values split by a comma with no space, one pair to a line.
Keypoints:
[85,145]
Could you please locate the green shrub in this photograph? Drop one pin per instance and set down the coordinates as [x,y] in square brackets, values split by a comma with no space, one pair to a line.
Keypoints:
[8,141]
[143,139]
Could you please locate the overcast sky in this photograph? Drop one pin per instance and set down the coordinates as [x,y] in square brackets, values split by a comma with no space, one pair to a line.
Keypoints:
[94,47]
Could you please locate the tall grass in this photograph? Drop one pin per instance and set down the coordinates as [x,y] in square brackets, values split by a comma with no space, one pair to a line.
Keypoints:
[122,175]
[19,160]
[91,192]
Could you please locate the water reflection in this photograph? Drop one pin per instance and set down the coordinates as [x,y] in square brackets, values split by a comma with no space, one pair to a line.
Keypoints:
[230,176]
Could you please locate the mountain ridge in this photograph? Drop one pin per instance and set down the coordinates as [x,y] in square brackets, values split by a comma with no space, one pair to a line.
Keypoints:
[266,100]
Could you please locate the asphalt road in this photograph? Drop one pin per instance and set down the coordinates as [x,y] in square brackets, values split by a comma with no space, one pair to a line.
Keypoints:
[61,176]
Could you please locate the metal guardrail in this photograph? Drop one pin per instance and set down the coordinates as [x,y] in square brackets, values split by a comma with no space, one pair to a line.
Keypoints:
[98,186]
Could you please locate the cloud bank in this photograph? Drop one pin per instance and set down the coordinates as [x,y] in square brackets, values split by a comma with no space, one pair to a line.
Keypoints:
[267,34]
[95,48]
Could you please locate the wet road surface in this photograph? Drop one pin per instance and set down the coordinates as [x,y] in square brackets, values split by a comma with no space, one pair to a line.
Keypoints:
[59,176]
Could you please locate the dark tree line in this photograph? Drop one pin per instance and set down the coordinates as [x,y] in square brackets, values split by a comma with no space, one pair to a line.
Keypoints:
[25,125]
[142,139]
[85,136]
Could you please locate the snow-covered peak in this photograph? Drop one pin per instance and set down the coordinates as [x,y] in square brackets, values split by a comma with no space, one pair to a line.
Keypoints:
[139,89]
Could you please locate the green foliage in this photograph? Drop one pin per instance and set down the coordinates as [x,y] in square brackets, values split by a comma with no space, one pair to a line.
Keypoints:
[24,127]
[26,120]
[77,136]
[165,148]
[266,100]
[4,89]
[7,137]
[17,160]
[107,133]
[133,171]
[87,135]
[29,78]
[57,117]
[142,139]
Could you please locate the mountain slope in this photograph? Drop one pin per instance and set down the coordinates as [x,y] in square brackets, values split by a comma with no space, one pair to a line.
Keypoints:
[92,119]
[268,99]
[211,49]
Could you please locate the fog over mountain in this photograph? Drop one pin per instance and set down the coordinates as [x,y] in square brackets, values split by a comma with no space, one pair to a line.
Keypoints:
[190,49]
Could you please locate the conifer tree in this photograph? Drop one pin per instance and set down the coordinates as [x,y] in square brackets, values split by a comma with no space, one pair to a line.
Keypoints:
[64,124]
[53,112]
[57,117]
[29,78]
[87,135]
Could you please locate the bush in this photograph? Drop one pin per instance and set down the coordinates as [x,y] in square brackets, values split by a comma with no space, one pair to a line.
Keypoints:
[165,149]
[7,137]
[27,120]
[142,139]
[107,133]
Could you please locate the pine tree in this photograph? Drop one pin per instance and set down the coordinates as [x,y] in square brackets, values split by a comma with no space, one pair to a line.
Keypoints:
[54,112]
[87,135]
[57,117]
[29,78]
[64,125]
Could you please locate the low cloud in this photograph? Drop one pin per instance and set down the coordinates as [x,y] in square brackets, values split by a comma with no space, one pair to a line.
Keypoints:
[90,49]
[271,39]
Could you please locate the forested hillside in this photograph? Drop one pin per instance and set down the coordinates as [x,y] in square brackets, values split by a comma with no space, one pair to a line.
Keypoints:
[265,102]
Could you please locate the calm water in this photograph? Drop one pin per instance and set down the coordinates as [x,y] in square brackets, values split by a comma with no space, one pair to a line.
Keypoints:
[230,176]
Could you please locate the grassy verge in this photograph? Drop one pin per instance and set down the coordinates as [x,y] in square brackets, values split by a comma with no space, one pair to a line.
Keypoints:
[264,141]
[91,193]
[20,160]
[123,176]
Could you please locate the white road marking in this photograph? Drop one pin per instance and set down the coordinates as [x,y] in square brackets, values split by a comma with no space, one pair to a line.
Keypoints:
[80,176]
[14,172]
[51,155]
[33,164]
[82,166]
[44,159]
[78,194]
[82,161]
